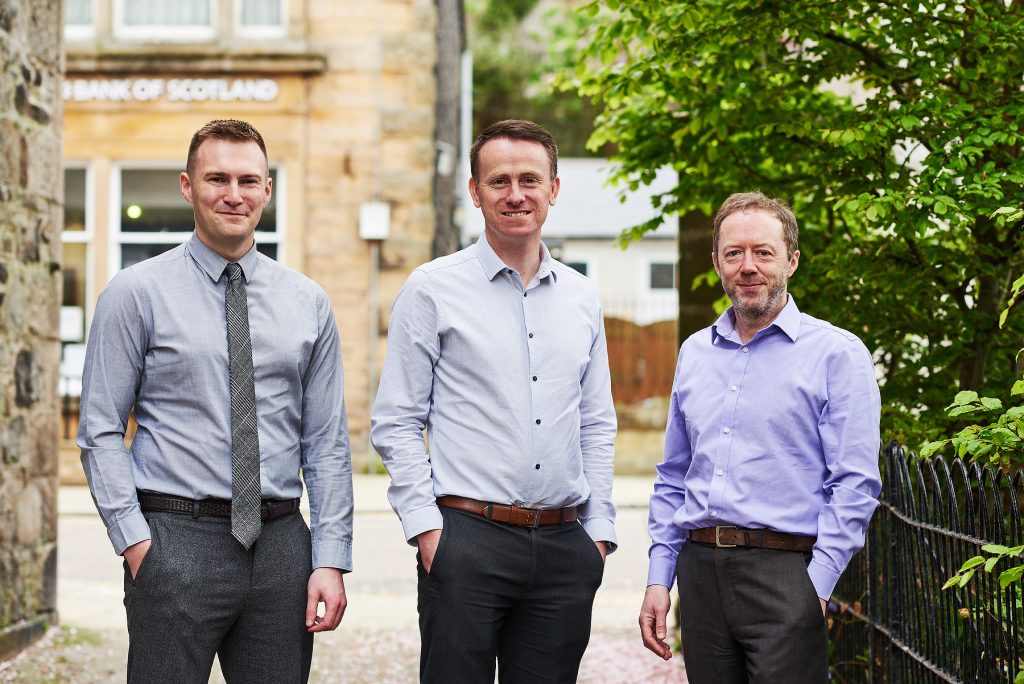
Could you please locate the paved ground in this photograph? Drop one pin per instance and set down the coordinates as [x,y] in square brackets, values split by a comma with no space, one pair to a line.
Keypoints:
[377,642]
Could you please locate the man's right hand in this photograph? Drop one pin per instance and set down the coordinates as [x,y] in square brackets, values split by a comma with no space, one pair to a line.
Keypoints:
[653,613]
[427,541]
[134,555]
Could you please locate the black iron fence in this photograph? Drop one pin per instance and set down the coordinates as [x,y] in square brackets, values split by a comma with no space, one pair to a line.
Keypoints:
[895,623]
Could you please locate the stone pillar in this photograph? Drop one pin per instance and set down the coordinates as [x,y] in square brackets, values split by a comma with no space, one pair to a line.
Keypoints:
[31,190]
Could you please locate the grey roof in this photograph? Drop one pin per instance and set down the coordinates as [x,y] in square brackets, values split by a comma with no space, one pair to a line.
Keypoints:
[588,207]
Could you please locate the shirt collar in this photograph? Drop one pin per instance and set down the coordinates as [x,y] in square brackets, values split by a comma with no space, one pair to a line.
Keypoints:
[213,264]
[788,321]
[493,265]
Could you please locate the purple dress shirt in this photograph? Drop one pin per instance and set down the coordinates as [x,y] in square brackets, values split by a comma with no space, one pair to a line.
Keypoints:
[780,433]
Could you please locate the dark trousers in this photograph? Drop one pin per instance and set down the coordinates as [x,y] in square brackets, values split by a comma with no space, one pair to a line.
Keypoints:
[522,596]
[750,615]
[199,593]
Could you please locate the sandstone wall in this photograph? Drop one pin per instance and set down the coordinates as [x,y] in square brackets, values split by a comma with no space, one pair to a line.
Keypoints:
[30,226]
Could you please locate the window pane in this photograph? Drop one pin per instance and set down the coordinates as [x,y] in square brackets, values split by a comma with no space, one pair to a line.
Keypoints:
[151,202]
[164,13]
[77,12]
[133,254]
[74,199]
[580,266]
[663,276]
[261,12]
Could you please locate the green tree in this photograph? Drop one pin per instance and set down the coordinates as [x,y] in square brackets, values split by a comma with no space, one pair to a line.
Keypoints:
[514,43]
[894,128]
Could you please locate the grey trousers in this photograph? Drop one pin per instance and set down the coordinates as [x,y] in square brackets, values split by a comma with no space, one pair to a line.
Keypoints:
[750,616]
[517,596]
[199,593]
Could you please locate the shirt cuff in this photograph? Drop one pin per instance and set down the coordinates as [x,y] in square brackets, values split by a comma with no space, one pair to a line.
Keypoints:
[128,531]
[332,554]
[602,529]
[421,520]
[824,579]
[662,570]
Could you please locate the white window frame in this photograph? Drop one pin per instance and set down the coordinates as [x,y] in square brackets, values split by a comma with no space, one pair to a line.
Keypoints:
[263,31]
[119,238]
[82,32]
[86,236]
[163,33]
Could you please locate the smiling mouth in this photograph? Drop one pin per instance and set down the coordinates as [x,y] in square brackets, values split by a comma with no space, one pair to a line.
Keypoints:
[514,214]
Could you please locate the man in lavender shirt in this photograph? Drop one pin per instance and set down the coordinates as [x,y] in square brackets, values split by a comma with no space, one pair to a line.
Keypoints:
[771,468]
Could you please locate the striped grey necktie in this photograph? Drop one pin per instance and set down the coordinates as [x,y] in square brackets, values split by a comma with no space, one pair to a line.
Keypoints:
[245,440]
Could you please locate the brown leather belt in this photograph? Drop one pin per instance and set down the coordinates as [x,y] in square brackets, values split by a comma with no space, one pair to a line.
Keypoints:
[216,508]
[725,536]
[512,515]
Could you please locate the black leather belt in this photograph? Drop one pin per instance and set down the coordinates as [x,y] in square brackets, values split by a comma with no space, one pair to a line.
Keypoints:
[216,508]
[726,536]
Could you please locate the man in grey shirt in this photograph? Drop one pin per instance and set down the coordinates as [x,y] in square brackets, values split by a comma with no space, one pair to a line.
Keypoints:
[232,367]
[499,352]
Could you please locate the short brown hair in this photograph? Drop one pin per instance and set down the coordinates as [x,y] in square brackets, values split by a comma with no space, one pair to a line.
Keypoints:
[745,201]
[516,129]
[223,129]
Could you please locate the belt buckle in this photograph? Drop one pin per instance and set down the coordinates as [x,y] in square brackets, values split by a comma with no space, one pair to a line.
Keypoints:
[536,518]
[718,536]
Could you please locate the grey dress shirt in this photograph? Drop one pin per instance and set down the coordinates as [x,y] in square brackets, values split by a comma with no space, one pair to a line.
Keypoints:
[158,345]
[511,384]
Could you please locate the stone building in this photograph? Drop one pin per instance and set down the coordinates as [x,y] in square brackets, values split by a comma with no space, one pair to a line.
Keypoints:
[30,224]
[355,99]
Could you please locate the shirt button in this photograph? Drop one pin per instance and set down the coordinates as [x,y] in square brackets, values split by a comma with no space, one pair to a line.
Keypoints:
[531,336]
[732,388]
[510,271]
[524,294]
[535,378]
[537,467]
[714,514]
[538,421]
[720,473]
[745,350]
[725,430]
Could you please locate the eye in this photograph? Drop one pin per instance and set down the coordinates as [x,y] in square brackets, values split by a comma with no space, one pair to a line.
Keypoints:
[498,183]
[531,182]
[251,182]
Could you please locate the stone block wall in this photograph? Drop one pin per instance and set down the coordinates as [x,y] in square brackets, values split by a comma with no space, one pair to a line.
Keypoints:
[31,191]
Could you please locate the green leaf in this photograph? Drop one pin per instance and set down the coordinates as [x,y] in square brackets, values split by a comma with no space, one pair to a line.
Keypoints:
[951,582]
[995,548]
[991,403]
[964,397]
[966,577]
[972,563]
[991,563]
[1010,576]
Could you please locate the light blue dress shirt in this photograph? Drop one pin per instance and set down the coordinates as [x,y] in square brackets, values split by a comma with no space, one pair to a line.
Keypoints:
[158,344]
[780,433]
[511,384]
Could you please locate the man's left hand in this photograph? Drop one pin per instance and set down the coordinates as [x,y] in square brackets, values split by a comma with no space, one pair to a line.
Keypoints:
[603,548]
[824,605]
[327,586]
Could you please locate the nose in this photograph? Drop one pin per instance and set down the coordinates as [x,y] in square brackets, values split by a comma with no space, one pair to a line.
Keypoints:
[747,265]
[515,193]
[234,193]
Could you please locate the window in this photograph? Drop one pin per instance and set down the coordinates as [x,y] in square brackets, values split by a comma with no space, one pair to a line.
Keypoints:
[580,266]
[154,218]
[78,19]
[75,267]
[163,20]
[663,276]
[264,18]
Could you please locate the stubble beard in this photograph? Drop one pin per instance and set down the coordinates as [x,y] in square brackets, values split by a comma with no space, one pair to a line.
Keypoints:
[766,307]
